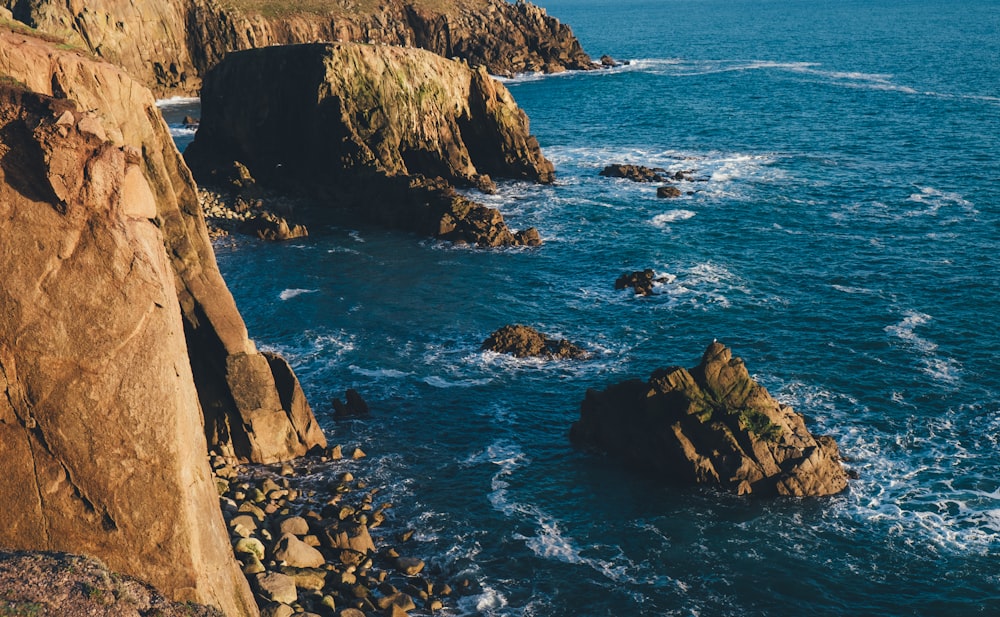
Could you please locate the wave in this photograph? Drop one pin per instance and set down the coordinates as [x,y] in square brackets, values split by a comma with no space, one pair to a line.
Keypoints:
[291,293]
[935,200]
[441,382]
[943,370]
[661,221]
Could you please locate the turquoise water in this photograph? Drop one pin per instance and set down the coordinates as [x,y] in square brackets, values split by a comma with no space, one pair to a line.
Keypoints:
[843,242]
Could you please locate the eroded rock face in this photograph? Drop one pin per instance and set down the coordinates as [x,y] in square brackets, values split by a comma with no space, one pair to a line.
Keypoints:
[526,342]
[101,440]
[712,424]
[170,44]
[384,131]
[125,113]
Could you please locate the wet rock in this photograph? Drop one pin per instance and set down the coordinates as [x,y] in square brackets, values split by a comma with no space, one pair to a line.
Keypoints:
[636,173]
[526,342]
[711,424]
[642,281]
[668,192]
[355,406]
[608,61]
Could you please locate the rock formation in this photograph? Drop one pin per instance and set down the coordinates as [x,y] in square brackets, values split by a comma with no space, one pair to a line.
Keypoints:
[250,410]
[526,342]
[381,130]
[635,173]
[711,424]
[642,281]
[170,44]
[102,445]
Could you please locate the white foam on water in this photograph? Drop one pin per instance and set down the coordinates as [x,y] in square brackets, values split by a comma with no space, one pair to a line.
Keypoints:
[934,200]
[941,369]
[440,382]
[662,221]
[379,372]
[183,131]
[291,293]
[178,101]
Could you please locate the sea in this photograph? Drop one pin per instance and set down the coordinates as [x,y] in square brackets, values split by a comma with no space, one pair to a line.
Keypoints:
[839,231]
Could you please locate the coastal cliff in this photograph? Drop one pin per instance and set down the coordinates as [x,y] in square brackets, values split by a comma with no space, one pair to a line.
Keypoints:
[253,406]
[101,439]
[382,131]
[169,45]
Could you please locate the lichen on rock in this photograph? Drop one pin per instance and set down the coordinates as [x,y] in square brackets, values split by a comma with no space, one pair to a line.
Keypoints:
[712,424]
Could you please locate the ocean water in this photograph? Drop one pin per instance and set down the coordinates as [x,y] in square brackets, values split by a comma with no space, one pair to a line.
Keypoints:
[841,236]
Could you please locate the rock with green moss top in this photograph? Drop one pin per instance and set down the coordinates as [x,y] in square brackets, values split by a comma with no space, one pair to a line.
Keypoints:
[712,424]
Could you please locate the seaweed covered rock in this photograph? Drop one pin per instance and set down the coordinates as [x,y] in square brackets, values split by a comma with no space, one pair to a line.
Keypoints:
[384,132]
[526,342]
[712,424]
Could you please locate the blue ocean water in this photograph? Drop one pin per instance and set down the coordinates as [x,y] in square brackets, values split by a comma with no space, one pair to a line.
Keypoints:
[842,239]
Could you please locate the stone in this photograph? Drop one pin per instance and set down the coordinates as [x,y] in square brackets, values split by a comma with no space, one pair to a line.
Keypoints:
[410,566]
[351,612]
[250,546]
[295,525]
[395,148]
[642,281]
[276,587]
[347,535]
[355,406]
[635,173]
[712,424]
[296,553]
[526,342]
[668,192]
[358,454]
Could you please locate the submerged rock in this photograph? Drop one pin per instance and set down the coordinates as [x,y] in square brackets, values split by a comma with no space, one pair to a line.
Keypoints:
[636,173]
[384,132]
[711,424]
[355,406]
[526,342]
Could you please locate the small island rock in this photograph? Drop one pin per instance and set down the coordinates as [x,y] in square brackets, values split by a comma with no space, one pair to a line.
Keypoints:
[712,424]
[526,342]
[641,281]
[636,173]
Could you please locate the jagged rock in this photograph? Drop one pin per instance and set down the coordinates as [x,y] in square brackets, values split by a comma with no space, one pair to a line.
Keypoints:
[102,445]
[353,408]
[668,192]
[526,342]
[711,424]
[169,44]
[37,583]
[270,226]
[384,131]
[608,61]
[636,173]
[642,281]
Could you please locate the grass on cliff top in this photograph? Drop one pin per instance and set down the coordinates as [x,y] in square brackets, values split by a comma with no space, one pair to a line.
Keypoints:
[344,8]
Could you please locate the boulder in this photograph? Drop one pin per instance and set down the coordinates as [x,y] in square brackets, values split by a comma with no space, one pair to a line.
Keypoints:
[295,553]
[642,281]
[668,192]
[276,587]
[270,226]
[354,407]
[526,342]
[384,132]
[635,173]
[713,425]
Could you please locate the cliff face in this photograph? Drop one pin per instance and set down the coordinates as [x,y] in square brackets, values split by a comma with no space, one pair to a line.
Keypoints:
[370,127]
[245,412]
[101,441]
[169,44]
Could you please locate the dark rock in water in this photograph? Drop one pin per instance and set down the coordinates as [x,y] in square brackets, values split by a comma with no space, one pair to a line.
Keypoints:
[354,407]
[608,61]
[385,132]
[190,121]
[711,424]
[641,281]
[636,173]
[270,226]
[668,192]
[526,342]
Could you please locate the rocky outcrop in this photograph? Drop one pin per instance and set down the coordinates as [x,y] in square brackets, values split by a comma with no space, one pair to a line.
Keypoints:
[713,425]
[526,342]
[635,173]
[102,445]
[66,585]
[170,44]
[642,281]
[240,397]
[384,131]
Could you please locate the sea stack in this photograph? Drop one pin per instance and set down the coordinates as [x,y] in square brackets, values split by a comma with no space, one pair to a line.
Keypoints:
[712,425]
[385,132]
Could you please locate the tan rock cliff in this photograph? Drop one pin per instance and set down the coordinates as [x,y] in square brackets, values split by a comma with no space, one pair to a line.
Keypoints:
[711,424]
[369,127]
[255,425]
[169,44]
[101,442]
